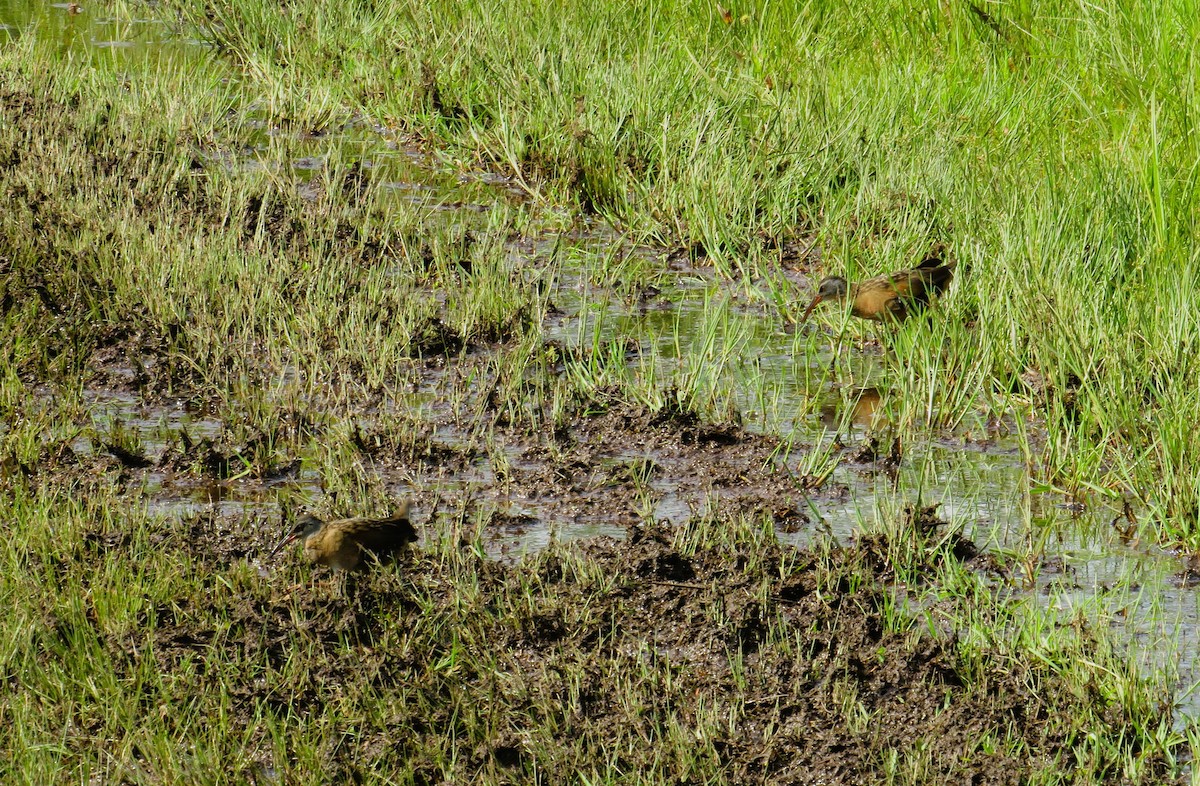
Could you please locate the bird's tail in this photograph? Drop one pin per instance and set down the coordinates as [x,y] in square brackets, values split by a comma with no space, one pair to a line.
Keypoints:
[940,270]
[936,258]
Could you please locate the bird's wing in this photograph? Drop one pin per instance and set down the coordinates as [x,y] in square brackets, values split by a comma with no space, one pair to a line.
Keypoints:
[906,284]
[921,283]
[382,535]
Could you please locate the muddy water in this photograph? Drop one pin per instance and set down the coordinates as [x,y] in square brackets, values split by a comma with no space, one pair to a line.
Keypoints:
[78,26]
[1080,564]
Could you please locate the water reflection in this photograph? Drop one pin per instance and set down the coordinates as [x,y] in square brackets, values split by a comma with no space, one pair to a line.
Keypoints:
[854,406]
[80,26]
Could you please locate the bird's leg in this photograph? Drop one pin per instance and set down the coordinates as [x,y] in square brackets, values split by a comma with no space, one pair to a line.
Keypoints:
[880,332]
[350,586]
[309,584]
[345,584]
[837,348]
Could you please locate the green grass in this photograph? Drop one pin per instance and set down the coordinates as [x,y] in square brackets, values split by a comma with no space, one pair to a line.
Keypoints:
[386,349]
[1047,143]
[136,651]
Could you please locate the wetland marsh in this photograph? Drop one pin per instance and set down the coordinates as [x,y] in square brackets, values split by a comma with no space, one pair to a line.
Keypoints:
[538,268]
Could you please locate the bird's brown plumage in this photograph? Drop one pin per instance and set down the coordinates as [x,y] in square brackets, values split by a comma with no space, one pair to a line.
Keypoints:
[341,543]
[889,297]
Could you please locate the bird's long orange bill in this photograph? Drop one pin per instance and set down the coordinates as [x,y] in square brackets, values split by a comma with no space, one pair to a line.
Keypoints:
[289,539]
[810,308]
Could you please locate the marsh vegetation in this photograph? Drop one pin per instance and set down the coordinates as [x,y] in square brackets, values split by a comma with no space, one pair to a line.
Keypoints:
[537,268]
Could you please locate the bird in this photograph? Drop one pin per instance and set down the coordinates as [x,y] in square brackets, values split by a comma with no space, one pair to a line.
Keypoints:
[891,297]
[341,543]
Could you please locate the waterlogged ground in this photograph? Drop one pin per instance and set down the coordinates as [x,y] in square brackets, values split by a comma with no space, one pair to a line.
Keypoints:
[623,589]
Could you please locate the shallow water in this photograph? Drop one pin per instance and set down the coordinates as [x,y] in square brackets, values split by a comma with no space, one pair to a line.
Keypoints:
[83,26]
[1081,563]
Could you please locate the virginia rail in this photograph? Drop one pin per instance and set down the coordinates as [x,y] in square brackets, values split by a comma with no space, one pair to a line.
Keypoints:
[340,543]
[889,297]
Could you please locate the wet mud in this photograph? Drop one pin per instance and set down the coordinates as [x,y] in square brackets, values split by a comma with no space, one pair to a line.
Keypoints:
[696,643]
[642,655]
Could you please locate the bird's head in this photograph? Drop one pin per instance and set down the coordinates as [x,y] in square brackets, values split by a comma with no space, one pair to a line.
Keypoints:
[830,288]
[305,526]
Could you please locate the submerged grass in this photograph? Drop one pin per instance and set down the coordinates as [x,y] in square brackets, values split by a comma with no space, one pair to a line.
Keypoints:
[353,343]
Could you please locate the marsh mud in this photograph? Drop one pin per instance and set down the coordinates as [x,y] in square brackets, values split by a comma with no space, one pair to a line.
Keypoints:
[612,588]
[700,651]
[684,617]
